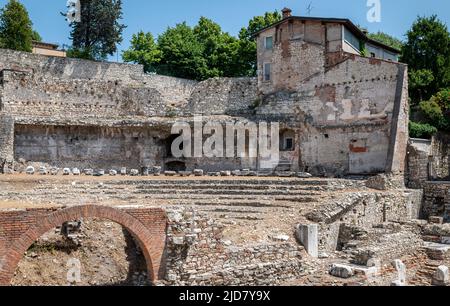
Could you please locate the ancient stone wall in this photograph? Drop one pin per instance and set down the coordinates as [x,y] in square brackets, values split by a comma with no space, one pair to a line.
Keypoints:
[440,151]
[353,119]
[364,210]
[224,96]
[89,147]
[418,162]
[6,142]
[436,200]
[347,118]
[198,255]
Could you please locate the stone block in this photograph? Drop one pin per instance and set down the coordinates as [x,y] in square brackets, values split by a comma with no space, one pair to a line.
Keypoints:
[100,172]
[304,175]
[308,236]
[436,220]
[284,173]
[441,276]
[185,173]
[30,170]
[156,170]
[178,240]
[400,267]
[145,171]
[198,172]
[54,171]
[341,271]
[280,237]
[397,283]
[43,171]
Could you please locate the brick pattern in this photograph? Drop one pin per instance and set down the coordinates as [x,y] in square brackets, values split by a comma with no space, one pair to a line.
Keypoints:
[20,229]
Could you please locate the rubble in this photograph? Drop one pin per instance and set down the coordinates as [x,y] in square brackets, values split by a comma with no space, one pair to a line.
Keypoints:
[30,170]
[341,271]
[441,276]
[43,170]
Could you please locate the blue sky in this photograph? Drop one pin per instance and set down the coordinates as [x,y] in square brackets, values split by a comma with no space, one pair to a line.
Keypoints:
[155,16]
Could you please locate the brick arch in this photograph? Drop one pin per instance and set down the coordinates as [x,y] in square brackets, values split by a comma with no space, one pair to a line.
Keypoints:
[151,246]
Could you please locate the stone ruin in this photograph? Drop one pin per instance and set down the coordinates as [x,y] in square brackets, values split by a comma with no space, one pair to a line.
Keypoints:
[347,199]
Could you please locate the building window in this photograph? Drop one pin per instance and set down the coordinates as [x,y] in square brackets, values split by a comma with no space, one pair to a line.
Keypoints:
[289,144]
[267,68]
[287,140]
[351,39]
[372,55]
[269,43]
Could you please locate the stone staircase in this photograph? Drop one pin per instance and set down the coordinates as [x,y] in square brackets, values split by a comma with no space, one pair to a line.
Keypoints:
[251,203]
[424,275]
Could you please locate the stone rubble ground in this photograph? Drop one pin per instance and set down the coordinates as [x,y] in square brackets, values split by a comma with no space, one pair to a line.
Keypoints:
[252,210]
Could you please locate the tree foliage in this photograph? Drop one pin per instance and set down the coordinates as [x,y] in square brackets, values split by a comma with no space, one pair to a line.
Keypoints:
[421,130]
[16,30]
[200,52]
[99,31]
[36,36]
[427,53]
[387,40]
[143,51]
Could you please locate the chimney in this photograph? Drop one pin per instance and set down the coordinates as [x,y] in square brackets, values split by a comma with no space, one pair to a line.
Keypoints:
[287,12]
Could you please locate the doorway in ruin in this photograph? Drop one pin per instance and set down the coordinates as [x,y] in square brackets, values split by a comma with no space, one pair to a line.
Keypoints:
[98,252]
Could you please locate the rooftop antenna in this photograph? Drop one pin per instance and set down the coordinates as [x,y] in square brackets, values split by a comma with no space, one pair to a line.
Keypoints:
[309,8]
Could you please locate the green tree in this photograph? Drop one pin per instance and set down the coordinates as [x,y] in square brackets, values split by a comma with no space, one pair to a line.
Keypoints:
[219,49]
[421,130]
[36,36]
[436,111]
[181,53]
[427,52]
[16,30]
[143,51]
[99,31]
[387,40]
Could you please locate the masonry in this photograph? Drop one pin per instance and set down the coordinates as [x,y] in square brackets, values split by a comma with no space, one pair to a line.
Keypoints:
[340,113]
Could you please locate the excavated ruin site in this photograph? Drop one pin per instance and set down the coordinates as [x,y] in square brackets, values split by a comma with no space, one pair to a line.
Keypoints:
[245,228]
[91,192]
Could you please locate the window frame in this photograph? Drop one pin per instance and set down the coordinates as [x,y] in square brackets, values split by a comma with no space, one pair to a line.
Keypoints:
[265,79]
[265,43]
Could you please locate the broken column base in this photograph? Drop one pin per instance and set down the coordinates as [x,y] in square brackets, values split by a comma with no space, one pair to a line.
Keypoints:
[308,236]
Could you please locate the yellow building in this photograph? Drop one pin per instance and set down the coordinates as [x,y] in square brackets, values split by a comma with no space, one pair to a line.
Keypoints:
[47,49]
